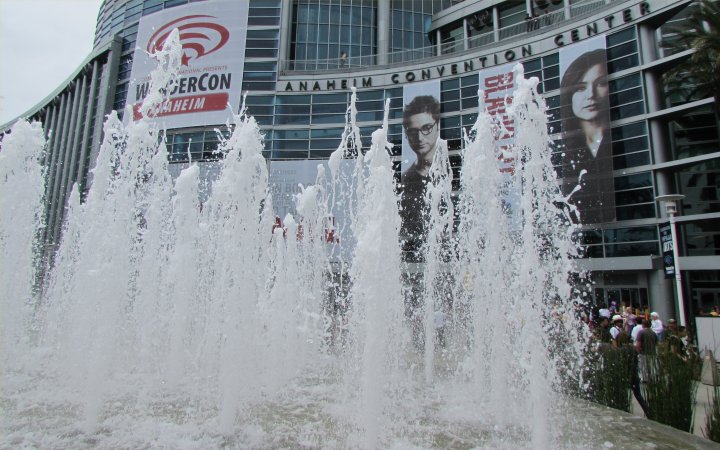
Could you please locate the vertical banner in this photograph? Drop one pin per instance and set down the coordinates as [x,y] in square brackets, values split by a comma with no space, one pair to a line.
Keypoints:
[498,85]
[212,35]
[421,128]
[285,180]
[420,140]
[585,115]
[668,255]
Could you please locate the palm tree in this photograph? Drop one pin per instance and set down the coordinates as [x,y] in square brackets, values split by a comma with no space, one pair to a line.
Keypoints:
[699,76]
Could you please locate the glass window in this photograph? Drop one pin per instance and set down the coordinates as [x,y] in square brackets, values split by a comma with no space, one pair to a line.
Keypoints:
[668,33]
[540,7]
[260,43]
[292,100]
[263,34]
[694,133]
[328,108]
[263,12]
[700,183]
[636,241]
[318,24]
[480,28]
[375,105]
[332,98]
[284,154]
[195,146]
[634,196]
[635,181]
[256,86]
[626,97]
[512,12]
[409,23]
[371,95]
[702,238]
[261,53]
[259,76]
[450,130]
[321,119]
[326,133]
[630,145]
[151,9]
[547,70]
[329,141]
[634,249]
[292,109]
[620,37]
[452,38]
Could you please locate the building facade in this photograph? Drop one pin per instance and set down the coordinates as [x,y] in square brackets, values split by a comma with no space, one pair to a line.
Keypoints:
[301,57]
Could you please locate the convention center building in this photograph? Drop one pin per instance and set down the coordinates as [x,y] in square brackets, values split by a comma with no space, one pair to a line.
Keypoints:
[295,63]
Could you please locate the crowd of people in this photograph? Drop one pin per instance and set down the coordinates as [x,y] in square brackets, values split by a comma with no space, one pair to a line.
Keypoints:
[639,336]
[644,331]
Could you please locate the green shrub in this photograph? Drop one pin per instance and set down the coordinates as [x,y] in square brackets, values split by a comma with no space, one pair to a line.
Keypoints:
[671,388]
[609,378]
[712,417]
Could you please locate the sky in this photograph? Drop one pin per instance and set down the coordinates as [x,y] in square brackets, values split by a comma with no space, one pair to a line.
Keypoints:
[42,42]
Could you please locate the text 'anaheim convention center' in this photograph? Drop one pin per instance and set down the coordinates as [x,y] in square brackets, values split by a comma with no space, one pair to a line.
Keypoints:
[297,60]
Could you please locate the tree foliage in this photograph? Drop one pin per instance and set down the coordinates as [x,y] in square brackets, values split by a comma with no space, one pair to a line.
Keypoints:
[698,76]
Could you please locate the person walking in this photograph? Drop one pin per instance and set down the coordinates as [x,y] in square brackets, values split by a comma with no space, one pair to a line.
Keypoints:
[646,344]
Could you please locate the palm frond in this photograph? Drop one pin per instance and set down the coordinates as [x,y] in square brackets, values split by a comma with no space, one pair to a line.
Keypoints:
[699,75]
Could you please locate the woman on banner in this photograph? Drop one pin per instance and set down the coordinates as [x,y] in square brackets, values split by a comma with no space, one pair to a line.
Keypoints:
[421,124]
[584,103]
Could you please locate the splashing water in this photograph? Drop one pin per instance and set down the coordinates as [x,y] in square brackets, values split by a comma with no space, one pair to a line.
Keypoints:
[169,322]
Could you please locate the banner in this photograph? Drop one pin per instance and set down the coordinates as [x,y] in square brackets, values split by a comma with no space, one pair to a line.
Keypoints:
[420,140]
[421,128]
[668,255]
[285,180]
[213,36]
[585,114]
[498,85]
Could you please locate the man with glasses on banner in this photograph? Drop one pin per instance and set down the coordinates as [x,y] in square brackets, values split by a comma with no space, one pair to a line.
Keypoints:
[421,124]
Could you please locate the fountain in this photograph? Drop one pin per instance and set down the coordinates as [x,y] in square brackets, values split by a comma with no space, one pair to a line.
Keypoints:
[173,323]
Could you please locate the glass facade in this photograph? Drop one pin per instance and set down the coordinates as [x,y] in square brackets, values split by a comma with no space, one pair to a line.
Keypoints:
[344,32]
[694,133]
[661,142]
[410,23]
[340,32]
[618,242]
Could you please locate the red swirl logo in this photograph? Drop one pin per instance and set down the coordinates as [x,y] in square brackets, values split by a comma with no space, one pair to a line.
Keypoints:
[199,36]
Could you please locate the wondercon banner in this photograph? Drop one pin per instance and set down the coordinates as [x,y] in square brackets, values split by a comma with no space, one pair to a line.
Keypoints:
[585,114]
[212,35]
[498,85]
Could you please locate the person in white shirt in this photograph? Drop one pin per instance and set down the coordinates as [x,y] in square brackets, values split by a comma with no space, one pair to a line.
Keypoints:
[657,326]
[636,329]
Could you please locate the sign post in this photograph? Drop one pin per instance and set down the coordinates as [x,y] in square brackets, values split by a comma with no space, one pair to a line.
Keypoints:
[671,209]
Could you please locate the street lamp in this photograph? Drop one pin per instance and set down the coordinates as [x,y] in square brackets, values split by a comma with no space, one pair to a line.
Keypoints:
[670,201]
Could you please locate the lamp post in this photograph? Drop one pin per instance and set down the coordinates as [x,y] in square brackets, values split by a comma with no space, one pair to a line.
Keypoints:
[670,202]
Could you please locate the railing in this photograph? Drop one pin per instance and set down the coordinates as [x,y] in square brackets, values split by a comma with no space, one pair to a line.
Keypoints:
[481,40]
[536,23]
[335,64]
[585,7]
[531,25]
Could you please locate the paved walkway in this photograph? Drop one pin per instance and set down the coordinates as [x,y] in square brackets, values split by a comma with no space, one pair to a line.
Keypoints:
[703,399]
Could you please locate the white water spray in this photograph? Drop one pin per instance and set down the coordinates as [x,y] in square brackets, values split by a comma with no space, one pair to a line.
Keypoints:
[186,324]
